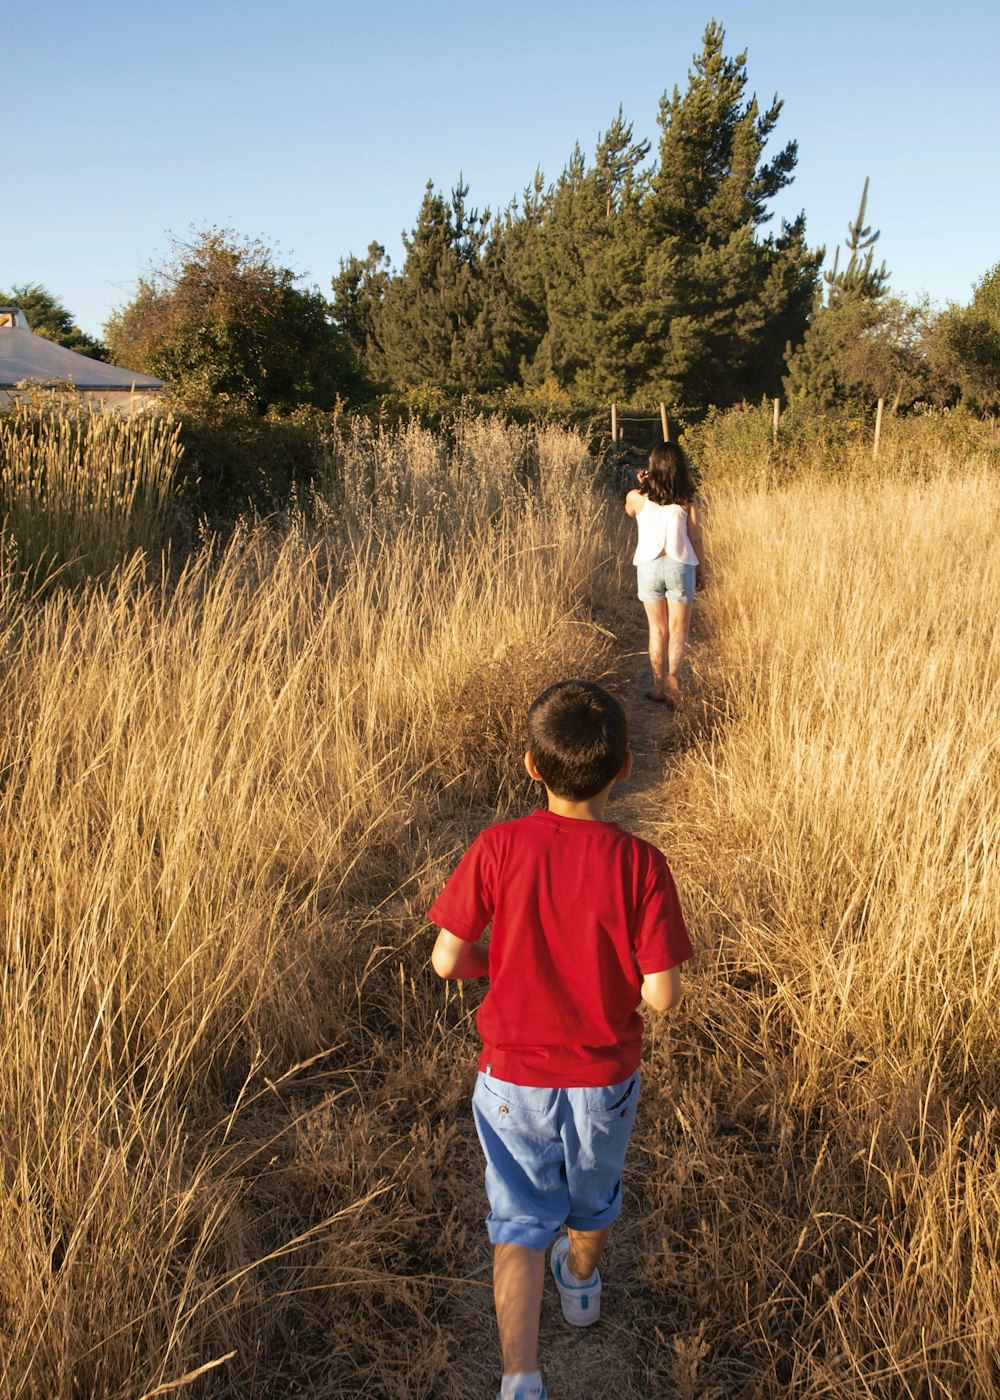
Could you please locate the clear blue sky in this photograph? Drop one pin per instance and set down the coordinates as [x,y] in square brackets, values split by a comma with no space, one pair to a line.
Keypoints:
[315,124]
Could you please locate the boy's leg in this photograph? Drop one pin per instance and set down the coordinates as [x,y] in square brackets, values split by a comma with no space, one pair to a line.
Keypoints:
[596,1135]
[518,1277]
[518,1127]
[585,1250]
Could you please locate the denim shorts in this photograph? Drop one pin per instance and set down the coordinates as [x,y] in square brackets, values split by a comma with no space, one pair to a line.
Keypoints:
[666,578]
[554,1157]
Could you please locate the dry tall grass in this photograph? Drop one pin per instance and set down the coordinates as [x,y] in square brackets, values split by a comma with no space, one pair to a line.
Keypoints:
[826,1186]
[739,446]
[221,799]
[240,1161]
[81,491]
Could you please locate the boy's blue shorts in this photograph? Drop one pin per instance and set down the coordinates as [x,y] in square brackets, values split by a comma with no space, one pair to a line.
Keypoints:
[554,1157]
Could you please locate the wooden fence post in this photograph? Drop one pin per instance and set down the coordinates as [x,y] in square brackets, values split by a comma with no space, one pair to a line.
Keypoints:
[664,422]
[614,423]
[878,427]
[777,419]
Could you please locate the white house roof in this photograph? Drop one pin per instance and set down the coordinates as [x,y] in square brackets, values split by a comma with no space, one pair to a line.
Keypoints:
[24,356]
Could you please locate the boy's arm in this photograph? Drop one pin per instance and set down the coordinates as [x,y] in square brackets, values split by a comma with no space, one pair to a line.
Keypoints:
[661,990]
[456,957]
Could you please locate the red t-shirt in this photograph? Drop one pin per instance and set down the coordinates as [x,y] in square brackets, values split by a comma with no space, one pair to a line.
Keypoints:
[581,911]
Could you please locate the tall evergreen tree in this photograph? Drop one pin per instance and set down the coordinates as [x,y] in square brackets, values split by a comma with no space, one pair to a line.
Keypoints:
[559,356]
[716,295]
[859,278]
[612,326]
[861,344]
[616,281]
[358,293]
[593,256]
[430,323]
[514,284]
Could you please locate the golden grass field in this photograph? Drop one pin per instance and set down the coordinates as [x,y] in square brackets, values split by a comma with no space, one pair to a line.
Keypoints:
[239,1159]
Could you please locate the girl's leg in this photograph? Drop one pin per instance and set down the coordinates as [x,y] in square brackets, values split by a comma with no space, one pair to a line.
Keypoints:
[679,622]
[659,633]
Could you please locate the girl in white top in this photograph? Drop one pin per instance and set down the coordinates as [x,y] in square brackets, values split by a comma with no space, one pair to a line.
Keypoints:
[669,560]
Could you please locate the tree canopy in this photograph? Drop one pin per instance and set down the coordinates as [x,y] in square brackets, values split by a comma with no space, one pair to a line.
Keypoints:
[965,346]
[645,273]
[620,279]
[47,317]
[861,344]
[722,298]
[225,319]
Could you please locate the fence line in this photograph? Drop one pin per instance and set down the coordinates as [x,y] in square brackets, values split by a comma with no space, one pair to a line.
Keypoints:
[662,416]
[664,420]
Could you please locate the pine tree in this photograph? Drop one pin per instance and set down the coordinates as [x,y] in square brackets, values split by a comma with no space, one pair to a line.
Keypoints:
[616,281]
[514,284]
[710,181]
[716,295]
[612,288]
[593,255]
[430,322]
[859,278]
[358,292]
[861,344]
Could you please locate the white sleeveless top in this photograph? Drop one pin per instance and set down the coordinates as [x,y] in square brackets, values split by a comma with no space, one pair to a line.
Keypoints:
[663,530]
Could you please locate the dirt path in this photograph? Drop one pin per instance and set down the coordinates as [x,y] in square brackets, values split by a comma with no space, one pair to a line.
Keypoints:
[622,1358]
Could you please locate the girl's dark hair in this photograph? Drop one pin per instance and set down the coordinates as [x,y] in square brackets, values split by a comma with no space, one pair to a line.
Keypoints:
[669,480]
[578,737]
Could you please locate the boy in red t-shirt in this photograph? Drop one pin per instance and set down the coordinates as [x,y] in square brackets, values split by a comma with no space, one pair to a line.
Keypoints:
[585,923]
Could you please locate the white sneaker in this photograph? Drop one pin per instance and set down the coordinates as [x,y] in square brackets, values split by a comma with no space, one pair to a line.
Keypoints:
[534,1392]
[581,1302]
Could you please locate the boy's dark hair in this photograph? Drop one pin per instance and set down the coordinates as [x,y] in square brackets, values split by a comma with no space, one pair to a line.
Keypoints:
[669,480]
[578,737]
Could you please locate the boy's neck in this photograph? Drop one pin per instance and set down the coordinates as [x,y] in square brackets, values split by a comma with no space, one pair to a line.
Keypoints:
[590,810]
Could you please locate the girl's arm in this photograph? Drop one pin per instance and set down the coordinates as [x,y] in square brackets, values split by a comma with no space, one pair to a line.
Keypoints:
[697,538]
[634,502]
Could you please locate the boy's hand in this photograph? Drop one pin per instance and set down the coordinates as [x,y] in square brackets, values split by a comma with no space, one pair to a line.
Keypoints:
[456,957]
